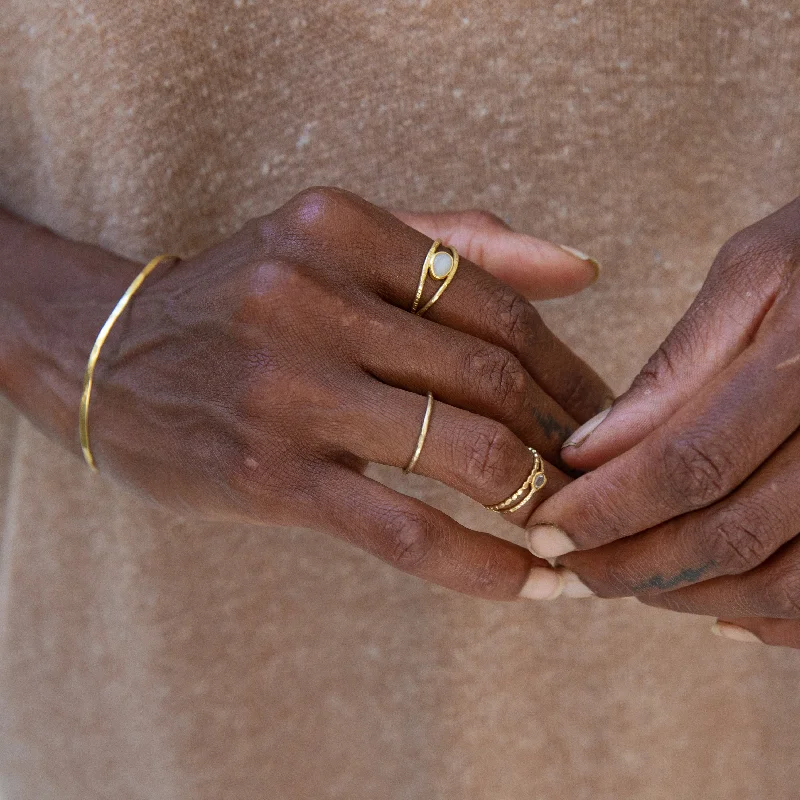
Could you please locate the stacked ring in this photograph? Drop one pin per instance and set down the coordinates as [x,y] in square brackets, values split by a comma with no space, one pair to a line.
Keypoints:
[535,481]
[440,266]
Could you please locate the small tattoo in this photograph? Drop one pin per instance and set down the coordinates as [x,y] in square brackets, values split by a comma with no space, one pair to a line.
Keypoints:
[688,575]
[551,427]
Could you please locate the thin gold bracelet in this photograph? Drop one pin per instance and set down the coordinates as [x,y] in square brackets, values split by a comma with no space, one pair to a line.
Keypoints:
[88,377]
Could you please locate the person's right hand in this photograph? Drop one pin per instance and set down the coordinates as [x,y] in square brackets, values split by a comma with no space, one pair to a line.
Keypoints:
[256,380]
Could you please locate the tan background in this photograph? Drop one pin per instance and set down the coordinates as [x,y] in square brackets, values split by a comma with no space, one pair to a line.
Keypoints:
[145,658]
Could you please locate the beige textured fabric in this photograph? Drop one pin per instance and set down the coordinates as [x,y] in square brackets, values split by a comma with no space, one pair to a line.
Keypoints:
[142,657]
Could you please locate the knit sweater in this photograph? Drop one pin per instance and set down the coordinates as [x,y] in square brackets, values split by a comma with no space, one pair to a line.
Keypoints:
[143,656]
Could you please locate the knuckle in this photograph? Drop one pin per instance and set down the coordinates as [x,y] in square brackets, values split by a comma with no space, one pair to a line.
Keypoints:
[744,248]
[697,471]
[663,367]
[268,293]
[409,540]
[316,209]
[514,317]
[501,377]
[787,587]
[756,251]
[486,456]
[486,578]
[739,542]
[659,369]
[741,247]
[262,229]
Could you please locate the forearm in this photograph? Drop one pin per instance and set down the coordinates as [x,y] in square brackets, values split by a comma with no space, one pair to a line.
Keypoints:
[55,295]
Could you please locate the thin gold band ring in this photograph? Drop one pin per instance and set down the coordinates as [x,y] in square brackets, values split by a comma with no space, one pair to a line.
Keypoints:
[426,421]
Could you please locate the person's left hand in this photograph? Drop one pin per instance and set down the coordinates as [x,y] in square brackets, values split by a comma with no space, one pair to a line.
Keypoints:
[694,504]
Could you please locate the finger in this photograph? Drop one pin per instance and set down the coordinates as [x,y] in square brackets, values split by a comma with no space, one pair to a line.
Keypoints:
[696,458]
[729,538]
[475,455]
[329,229]
[775,632]
[771,590]
[537,269]
[422,541]
[479,304]
[466,372]
[743,283]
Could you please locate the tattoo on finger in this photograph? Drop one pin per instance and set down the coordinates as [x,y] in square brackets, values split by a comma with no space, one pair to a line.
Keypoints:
[663,584]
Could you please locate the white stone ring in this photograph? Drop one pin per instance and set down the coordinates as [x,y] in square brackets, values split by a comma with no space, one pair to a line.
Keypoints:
[440,265]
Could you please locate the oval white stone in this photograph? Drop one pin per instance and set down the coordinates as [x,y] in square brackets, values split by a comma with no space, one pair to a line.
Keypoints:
[539,481]
[442,264]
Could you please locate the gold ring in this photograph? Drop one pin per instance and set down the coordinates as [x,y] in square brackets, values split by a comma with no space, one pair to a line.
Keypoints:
[426,420]
[440,266]
[535,481]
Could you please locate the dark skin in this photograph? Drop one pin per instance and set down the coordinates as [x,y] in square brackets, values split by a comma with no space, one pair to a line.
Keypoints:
[256,380]
[693,501]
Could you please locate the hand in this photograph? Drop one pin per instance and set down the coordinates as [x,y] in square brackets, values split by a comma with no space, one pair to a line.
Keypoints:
[256,380]
[694,504]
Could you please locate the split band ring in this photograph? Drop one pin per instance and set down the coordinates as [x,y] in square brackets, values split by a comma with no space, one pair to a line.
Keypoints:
[440,265]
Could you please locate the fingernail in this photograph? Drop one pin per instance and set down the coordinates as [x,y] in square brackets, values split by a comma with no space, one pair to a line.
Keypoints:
[582,434]
[729,631]
[573,585]
[548,541]
[542,584]
[583,257]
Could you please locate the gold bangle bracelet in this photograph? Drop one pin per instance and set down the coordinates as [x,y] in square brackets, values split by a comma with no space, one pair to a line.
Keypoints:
[88,377]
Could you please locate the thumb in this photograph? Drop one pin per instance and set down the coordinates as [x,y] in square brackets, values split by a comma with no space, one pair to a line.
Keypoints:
[537,269]
[744,280]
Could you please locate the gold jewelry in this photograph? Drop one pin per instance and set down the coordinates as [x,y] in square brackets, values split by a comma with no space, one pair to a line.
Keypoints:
[535,481]
[88,377]
[441,266]
[422,434]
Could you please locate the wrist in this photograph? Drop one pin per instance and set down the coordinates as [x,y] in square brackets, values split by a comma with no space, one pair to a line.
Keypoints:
[56,296]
